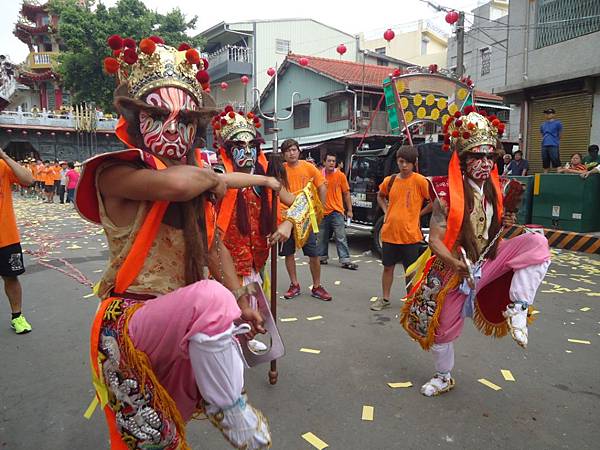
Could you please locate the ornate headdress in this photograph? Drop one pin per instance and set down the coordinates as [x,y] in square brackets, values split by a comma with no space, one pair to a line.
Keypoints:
[465,133]
[229,123]
[152,64]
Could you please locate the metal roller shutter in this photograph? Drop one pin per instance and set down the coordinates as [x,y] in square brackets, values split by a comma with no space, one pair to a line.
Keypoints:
[575,113]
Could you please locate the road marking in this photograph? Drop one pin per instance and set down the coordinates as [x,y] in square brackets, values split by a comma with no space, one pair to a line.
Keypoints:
[489,384]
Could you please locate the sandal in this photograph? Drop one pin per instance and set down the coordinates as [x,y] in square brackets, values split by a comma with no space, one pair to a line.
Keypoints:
[350,266]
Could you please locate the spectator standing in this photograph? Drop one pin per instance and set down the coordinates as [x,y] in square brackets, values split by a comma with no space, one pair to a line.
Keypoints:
[62,188]
[503,167]
[518,166]
[574,166]
[337,203]
[11,254]
[401,197]
[299,174]
[56,171]
[72,180]
[592,159]
[551,131]
[48,177]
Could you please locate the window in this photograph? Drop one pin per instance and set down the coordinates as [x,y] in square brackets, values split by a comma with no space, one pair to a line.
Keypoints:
[575,18]
[485,60]
[380,50]
[424,42]
[282,46]
[337,109]
[269,125]
[382,62]
[301,116]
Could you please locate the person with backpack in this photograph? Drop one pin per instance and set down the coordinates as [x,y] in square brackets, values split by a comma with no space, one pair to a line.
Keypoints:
[401,197]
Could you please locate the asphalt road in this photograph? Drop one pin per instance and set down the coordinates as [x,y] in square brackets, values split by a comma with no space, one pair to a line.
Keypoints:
[45,384]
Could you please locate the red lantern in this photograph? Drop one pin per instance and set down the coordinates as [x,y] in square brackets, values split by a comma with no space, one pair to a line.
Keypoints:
[341,49]
[451,17]
[245,80]
[389,34]
[303,61]
[224,86]
[270,71]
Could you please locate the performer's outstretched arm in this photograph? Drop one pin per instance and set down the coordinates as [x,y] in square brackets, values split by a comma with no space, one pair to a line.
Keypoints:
[238,180]
[222,269]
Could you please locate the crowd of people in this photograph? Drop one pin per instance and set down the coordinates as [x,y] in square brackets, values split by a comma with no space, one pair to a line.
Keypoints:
[51,180]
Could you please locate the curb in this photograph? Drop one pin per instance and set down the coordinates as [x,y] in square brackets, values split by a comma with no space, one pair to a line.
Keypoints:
[566,240]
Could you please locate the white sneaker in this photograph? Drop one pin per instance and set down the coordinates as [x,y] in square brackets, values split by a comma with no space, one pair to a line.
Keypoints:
[516,317]
[257,346]
[243,426]
[439,384]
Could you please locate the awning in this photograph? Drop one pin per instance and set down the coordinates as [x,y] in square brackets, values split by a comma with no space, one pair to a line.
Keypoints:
[492,105]
[314,139]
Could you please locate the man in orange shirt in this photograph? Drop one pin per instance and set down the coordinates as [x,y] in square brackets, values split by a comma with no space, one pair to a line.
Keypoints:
[333,221]
[11,255]
[401,197]
[299,173]
[48,179]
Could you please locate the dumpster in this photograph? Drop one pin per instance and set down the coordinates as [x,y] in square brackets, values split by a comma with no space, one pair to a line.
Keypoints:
[567,202]
[524,214]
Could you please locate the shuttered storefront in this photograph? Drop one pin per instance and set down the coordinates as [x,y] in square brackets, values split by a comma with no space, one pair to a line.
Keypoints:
[575,113]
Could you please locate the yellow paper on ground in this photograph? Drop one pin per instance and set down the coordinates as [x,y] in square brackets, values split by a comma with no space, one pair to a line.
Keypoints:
[373,299]
[314,318]
[404,384]
[585,309]
[89,295]
[367,412]
[507,374]
[337,283]
[288,319]
[489,384]
[314,441]
[579,341]
[310,350]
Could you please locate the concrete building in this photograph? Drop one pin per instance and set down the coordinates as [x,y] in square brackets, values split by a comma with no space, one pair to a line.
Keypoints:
[251,47]
[485,47]
[421,44]
[553,61]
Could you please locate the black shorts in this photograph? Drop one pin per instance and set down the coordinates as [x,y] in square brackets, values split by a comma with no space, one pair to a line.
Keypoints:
[11,260]
[405,254]
[550,156]
[310,248]
[39,184]
[48,188]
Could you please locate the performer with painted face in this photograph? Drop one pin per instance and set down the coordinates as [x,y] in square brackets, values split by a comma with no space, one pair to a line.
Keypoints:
[473,271]
[163,343]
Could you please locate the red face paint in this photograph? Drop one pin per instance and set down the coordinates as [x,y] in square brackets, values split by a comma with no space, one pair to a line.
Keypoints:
[169,135]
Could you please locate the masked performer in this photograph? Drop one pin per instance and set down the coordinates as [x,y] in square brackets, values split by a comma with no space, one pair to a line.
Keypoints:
[163,340]
[473,272]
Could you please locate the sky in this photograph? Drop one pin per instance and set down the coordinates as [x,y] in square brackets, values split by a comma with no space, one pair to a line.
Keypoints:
[373,21]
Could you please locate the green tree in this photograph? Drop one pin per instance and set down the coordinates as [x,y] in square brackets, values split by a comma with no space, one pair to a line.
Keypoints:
[83,30]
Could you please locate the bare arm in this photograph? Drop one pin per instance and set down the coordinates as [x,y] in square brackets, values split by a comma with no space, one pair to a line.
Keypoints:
[23,175]
[175,183]
[437,232]
[287,198]
[238,180]
[382,201]
[428,208]
[222,269]
[323,193]
[348,204]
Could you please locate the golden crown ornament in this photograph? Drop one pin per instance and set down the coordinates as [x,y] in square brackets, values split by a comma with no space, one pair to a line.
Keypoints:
[472,131]
[152,64]
[229,123]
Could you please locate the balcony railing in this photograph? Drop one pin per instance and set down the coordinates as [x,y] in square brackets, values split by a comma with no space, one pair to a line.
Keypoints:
[230,53]
[379,125]
[50,120]
[41,60]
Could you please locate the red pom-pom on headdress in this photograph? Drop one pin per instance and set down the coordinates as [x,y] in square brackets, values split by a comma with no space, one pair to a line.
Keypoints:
[466,135]
[205,63]
[202,77]
[115,42]
[469,109]
[192,56]
[129,43]
[157,40]
[147,46]
[455,134]
[184,46]
[111,65]
[446,147]
[117,53]
[130,56]
[228,109]
[231,114]
[457,114]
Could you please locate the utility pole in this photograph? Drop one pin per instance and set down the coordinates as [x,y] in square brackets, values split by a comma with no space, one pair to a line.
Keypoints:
[460,44]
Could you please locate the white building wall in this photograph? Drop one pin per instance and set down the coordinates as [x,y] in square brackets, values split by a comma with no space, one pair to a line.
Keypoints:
[306,37]
[595,133]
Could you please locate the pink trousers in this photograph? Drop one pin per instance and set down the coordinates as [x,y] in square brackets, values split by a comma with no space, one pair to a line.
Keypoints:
[164,326]
[526,255]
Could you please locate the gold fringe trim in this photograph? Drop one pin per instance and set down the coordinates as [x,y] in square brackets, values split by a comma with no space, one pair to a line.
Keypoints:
[488,328]
[428,341]
[140,364]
